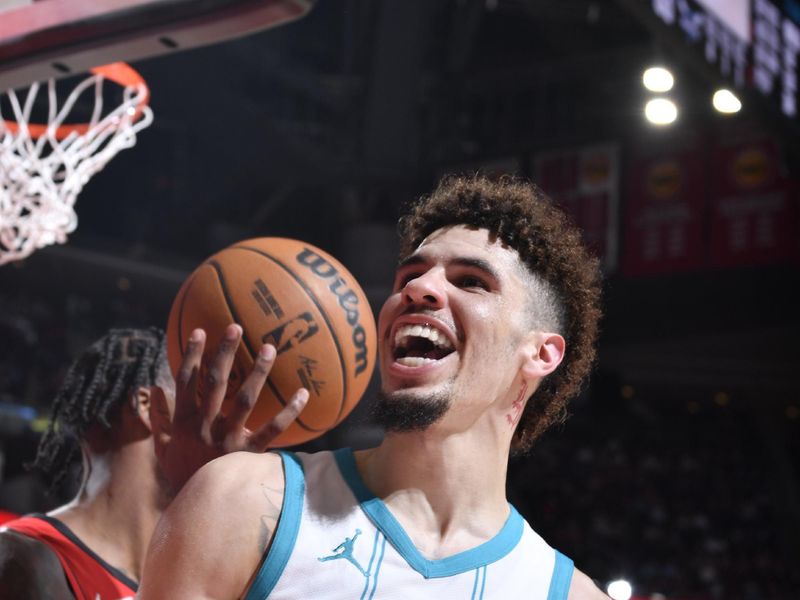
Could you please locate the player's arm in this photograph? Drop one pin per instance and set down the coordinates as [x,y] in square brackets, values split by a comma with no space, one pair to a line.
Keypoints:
[31,570]
[583,588]
[211,539]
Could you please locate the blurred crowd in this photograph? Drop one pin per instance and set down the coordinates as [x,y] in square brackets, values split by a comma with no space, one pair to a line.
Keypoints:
[681,500]
[42,335]
[684,502]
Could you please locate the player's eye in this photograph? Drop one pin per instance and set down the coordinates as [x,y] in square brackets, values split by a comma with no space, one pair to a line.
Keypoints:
[472,282]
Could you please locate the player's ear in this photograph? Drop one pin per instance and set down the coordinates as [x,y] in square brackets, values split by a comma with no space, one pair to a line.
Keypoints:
[543,352]
[141,400]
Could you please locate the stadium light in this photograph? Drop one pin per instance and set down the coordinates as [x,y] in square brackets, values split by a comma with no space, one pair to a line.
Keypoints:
[658,79]
[725,101]
[661,111]
[620,590]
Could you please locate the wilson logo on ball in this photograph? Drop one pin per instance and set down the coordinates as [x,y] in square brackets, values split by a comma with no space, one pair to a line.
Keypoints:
[348,301]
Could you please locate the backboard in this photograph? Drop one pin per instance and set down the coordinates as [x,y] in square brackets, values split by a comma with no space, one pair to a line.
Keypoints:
[42,39]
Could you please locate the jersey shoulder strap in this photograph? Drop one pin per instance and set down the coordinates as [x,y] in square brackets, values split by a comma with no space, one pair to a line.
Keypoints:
[89,576]
[562,577]
[275,558]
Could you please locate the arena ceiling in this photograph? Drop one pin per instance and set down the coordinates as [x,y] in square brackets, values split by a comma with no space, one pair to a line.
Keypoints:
[325,126]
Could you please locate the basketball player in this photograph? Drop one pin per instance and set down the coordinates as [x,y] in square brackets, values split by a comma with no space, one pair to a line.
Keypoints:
[488,332]
[113,401]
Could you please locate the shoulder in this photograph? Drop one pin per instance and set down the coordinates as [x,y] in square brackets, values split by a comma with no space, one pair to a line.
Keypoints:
[235,471]
[224,492]
[583,588]
[25,550]
[226,513]
[226,486]
[30,568]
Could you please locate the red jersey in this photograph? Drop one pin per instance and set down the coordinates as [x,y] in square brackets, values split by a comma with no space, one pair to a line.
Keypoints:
[89,576]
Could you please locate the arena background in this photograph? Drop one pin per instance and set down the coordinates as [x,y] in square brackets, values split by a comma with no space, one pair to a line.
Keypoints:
[678,470]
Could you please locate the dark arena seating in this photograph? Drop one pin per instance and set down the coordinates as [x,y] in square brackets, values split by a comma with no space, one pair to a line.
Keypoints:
[686,499]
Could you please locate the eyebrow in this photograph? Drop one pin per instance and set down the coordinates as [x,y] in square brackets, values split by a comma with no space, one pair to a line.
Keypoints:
[462,261]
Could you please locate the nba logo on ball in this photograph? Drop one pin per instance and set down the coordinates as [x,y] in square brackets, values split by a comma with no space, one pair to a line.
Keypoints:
[300,299]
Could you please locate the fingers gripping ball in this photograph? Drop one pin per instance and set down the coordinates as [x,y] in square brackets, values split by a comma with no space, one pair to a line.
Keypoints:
[304,302]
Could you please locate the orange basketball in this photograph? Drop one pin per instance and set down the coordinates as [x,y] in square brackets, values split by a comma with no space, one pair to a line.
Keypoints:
[304,302]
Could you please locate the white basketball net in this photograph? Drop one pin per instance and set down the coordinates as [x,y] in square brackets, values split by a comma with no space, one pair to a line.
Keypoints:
[41,177]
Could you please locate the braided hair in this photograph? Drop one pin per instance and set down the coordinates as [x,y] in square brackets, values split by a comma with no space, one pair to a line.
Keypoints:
[95,388]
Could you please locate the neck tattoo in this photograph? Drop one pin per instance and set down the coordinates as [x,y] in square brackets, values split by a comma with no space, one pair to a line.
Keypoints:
[516,407]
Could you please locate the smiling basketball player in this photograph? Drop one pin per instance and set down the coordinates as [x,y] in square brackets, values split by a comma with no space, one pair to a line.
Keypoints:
[488,332]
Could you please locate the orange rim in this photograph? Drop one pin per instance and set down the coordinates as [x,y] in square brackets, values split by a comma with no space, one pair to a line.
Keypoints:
[120,73]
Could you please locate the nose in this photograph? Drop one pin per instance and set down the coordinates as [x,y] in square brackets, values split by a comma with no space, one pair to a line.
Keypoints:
[428,289]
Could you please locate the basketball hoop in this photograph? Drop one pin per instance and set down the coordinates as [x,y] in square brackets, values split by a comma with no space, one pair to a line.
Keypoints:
[43,167]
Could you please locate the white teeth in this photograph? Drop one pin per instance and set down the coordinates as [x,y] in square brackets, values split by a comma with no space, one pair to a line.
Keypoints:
[436,337]
[414,361]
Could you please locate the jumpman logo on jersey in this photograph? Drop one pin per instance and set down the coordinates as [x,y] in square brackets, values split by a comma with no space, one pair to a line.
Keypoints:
[345,551]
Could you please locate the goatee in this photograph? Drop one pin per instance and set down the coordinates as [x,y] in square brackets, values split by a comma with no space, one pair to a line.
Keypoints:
[405,411]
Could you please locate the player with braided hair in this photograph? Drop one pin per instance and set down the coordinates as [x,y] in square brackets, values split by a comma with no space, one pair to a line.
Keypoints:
[94,390]
[115,408]
[102,413]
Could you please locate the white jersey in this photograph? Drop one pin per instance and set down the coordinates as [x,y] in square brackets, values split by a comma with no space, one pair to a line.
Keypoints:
[336,541]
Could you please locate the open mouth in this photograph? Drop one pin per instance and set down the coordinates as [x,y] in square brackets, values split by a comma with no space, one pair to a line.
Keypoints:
[417,345]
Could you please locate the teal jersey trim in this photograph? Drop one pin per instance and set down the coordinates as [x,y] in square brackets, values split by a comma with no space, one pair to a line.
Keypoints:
[562,577]
[286,534]
[480,576]
[488,552]
[377,571]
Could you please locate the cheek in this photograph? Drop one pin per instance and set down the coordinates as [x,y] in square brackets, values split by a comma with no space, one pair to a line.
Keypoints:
[498,332]
[515,322]
[494,321]
[388,311]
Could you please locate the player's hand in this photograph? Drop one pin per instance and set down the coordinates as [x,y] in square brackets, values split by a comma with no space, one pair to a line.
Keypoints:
[196,431]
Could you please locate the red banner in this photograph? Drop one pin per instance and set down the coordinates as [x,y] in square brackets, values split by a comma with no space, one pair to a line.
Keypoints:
[663,221]
[585,183]
[753,207]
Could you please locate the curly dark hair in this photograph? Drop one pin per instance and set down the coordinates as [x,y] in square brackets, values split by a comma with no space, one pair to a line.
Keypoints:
[95,387]
[522,217]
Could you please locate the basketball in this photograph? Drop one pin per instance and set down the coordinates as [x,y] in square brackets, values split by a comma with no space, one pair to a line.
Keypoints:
[301,300]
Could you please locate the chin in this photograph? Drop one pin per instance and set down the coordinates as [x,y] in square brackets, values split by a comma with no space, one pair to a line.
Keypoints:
[410,410]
